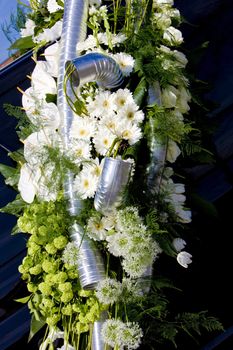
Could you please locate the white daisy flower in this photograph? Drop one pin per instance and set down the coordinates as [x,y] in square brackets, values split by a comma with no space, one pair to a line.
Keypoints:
[122,97]
[184,259]
[41,80]
[110,122]
[79,150]
[82,128]
[125,61]
[94,167]
[103,140]
[95,229]
[131,113]
[129,131]
[104,104]
[179,244]
[85,184]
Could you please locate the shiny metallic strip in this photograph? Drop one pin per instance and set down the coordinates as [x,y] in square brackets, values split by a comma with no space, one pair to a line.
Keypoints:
[95,67]
[114,178]
[97,341]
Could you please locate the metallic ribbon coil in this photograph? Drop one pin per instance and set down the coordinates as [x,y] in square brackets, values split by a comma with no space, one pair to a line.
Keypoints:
[95,67]
[97,341]
[114,178]
[89,263]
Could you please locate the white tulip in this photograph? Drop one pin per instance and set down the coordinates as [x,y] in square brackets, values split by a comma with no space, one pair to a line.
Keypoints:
[184,259]
[178,244]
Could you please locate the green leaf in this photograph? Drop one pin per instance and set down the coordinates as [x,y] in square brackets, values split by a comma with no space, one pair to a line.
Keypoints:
[51,98]
[15,230]
[140,91]
[17,156]
[7,171]
[23,300]
[22,44]
[36,325]
[15,207]
[203,205]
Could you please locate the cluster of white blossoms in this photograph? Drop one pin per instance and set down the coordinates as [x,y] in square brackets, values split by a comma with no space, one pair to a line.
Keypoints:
[127,237]
[184,258]
[123,335]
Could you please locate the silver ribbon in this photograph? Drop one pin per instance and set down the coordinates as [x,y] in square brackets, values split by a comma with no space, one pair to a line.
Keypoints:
[113,180]
[97,341]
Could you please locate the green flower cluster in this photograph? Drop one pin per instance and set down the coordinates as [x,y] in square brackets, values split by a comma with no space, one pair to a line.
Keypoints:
[54,284]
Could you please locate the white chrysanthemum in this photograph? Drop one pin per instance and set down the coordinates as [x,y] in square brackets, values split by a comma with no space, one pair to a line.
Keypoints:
[122,97]
[28,30]
[82,128]
[104,104]
[70,254]
[41,80]
[88,44]
[27,185]
[53,6]
[184,259]
[51,54]
[95,229]
[179,244]
[173,151]
[169,96]
[125,61]
[85,184]
[103,140]
[49,34]
[173,36]
[79,150]
[108,291]
[131,113]
[129,131]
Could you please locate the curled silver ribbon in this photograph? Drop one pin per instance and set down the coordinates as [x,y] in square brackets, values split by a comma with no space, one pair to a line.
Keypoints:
[113,180]
[97,340]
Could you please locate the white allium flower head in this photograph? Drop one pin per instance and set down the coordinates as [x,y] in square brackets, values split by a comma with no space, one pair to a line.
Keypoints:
[41,80]
[53,6]
[49,34]
[129,131]
[29,28]
[131,335]
[184,259]
[82,128]
[51,54]
[110,332]
[179,244]
[70,254]
[173,36]
[108,291]
[119,244]
[125,61]
[103,140]
[95,229]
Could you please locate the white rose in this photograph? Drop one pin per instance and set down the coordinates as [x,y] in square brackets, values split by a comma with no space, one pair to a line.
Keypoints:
[162,20]
[184,259]
[173,36]
[29,28]
[181,58]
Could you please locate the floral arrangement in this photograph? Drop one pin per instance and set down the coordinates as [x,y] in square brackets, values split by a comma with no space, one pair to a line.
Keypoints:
[141,125]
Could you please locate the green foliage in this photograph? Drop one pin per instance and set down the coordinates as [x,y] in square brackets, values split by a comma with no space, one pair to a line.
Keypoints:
[10,174]
[24,127]
[15,208]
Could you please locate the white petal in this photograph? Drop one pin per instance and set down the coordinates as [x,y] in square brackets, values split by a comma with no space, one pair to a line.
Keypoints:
[26,184]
